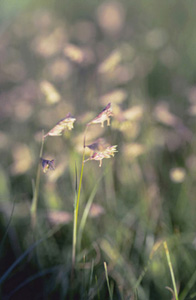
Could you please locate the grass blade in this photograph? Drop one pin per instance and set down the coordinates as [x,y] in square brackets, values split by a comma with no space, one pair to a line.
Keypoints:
[171,269]
[36,190]
[86,212]
[30,249]
[107,280]
[76,210]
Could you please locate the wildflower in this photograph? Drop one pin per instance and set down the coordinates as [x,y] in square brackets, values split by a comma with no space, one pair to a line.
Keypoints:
[47,164]
[107,153]
[98,156]
[62,125]
[103,116]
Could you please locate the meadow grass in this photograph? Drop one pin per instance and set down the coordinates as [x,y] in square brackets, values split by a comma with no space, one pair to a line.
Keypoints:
[98,226]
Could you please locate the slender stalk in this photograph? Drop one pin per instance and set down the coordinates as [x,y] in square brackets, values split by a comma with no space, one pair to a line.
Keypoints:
[171,269]
[74,236]
[107,280]
[76,210]
[36,190]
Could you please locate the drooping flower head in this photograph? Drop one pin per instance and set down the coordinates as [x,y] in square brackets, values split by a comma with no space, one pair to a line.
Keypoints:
[66,123]
[107,153]
[103,116]
[98,156]
[47,164]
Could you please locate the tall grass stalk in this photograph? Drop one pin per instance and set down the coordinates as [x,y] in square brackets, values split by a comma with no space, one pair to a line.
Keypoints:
[107,280]
[76,210]
[33,209]
[171,269]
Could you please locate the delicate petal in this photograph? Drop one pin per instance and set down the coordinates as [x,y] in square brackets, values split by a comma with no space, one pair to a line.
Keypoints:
[103,116]
[47,164]
[62,125]
[111,150]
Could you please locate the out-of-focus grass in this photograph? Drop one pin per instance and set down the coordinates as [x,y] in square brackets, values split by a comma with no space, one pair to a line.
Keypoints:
[76,57]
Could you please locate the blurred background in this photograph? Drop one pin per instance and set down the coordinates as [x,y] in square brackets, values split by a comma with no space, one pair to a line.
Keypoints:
[77,56]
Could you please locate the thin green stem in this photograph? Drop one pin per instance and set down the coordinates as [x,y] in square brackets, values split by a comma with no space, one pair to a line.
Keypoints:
[171,269]
[74,236]
[76,210]
[107,280]
[36,190]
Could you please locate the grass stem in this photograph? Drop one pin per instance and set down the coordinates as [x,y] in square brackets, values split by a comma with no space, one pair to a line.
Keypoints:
[107,280]
[76,210]
[36,190]
[171,269]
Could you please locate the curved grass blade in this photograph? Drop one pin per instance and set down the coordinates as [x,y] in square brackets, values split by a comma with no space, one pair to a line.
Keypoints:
[86,212]
[29,250]
[30,279]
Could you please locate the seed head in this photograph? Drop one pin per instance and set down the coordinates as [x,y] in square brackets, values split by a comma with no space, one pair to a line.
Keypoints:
[66,123]
[107,153]
[103,116]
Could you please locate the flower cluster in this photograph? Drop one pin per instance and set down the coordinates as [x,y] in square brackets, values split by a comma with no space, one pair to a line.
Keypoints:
[107,153]
[57,130]
[100,148]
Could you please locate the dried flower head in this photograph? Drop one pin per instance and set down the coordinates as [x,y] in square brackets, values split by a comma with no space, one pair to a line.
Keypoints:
[111,150]
[47,164]
[103,116]
[107,153]
[61,126]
